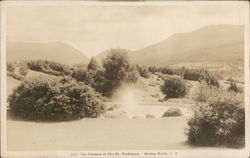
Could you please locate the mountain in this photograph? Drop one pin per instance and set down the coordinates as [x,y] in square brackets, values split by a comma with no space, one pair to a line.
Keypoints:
[213,43]
[54,51]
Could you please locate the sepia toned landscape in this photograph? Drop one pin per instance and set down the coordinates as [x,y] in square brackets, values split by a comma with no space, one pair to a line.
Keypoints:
[131,79]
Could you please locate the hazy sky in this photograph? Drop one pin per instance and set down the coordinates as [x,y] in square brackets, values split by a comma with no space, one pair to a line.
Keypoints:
[93,29]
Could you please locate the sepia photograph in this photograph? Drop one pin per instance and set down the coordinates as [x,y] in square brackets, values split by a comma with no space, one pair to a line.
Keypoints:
[124,79]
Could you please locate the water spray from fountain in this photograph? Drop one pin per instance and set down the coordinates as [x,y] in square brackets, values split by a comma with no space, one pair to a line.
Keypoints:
[126,98]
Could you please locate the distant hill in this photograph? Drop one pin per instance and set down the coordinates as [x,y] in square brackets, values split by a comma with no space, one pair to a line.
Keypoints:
[54,51]
[211,44]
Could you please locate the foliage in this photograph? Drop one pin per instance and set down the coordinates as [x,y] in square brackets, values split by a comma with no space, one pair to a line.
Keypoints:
[190,74]
[54,98]
[95,79]
[174,87]
[10,67]
[219,121]
[233,87]
[209,79]
[93,65]
[200,74]
[49,67]
[204,92]
[117,69]
[143,71]
[17,70]
[165,70]
[80,74]
[23,70]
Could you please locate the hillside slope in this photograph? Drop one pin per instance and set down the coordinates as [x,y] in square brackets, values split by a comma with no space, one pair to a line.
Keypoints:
[215,43]
[55,51]
[211,43]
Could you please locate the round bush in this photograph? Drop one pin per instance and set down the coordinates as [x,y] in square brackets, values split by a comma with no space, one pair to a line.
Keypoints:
[55,99]
[220,121]
[172,112]
[174,88]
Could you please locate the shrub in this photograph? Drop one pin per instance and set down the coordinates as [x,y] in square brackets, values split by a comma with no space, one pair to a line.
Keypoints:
[23,70]
[95,79]
[200,74]
[80,74]
[17,70]
[143,71]
[204,92]
[220,121]
[49,67]
[209,79]
[57,98]
[93,65]
[233,87]
[174,88]
[10,67]
[165,70]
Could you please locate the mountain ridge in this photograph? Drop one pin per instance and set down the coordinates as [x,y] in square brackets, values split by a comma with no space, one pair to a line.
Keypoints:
[56,51]
[223,42]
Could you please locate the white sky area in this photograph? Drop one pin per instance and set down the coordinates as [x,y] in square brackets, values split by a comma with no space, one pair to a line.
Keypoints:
[94,29]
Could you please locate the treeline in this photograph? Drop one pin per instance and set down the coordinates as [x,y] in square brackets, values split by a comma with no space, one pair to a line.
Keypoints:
[211,78]
[49,67]
[93,72]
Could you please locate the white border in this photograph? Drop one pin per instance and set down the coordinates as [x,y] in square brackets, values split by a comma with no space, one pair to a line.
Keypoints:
[181,153]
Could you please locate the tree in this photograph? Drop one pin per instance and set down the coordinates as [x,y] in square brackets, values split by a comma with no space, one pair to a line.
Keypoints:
[93,65]
[117,69]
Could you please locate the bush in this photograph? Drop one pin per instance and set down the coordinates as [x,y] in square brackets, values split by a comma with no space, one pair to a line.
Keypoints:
[200,74]
[143,71]
[165,70]
[23,70]
[10,67]
[209,79]
[17,70]
[220,121]
[49,67]
[174,88]
[204,92]
[233,87]
[80,74]
[57,99]
[93,65]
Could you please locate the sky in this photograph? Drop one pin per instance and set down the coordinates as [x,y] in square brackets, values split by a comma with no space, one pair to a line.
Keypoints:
[93,29]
